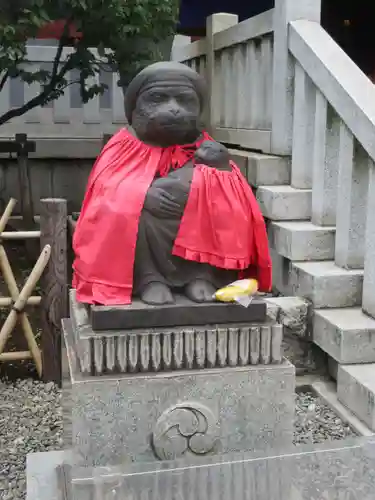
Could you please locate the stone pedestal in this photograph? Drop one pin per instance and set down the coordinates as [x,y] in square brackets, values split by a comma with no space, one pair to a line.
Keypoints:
[177,392]
[239,477]
[330,471]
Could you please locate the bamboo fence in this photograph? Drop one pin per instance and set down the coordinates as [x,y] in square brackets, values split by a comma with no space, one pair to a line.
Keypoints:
[51,269]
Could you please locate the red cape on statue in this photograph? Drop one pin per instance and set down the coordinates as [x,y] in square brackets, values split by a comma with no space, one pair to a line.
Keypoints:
[222,224]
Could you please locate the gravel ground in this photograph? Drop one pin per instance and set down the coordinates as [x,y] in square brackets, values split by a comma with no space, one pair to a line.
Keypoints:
[315,422]
[31,420]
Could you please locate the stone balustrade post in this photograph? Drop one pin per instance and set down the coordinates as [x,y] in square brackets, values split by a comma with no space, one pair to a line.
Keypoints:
[368,299]
[286,11]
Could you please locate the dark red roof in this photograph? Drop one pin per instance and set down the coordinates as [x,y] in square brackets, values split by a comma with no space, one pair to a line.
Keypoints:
[55,30]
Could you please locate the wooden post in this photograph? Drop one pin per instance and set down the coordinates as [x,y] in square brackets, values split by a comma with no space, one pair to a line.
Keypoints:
[215,23]
[26,198]
[54,304]
[286,11]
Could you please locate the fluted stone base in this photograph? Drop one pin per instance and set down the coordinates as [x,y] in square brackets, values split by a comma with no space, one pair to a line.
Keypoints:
[181,347]
[148,416]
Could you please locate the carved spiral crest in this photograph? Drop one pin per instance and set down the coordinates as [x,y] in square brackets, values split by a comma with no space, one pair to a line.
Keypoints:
[188,428]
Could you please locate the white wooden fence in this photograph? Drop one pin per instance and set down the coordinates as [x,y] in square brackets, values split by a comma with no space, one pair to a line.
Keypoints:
[66,117]
[279,83]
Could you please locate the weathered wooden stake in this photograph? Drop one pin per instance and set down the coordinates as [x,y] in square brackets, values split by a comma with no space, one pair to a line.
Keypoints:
[27,209]
[54,305]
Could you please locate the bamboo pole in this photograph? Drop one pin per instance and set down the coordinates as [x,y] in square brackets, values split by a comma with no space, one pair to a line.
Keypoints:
[34,300]
[20,235]
[33,279]
[20,300]
[7,213]
[15,356]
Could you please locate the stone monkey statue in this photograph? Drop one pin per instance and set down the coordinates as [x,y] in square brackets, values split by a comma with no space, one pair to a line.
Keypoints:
[166,212]
[164,106]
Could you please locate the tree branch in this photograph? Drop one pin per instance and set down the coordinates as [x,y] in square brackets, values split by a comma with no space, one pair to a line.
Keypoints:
[3,80]
[60,48]
[56,77]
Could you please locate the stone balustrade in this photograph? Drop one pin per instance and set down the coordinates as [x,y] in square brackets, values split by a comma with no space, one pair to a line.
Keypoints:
[236,60]
[280,84]
[333,147]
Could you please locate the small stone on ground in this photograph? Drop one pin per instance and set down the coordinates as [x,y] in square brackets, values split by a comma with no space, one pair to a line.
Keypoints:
[31,421]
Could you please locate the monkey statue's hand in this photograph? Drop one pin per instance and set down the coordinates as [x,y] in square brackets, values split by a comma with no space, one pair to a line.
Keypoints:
[162,203]
[213,154]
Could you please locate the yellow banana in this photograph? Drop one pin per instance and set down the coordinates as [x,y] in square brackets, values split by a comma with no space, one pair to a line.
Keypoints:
[236,290]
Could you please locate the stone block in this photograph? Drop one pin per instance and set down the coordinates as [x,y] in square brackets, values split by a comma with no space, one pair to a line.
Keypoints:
[281,268]
[204,479]
[322,283]
[304,355]
[290,312]
[333,367]
[144,350]
[42,479]
[262,170]
[348,335]
[307,474]
[184,312]
[356,390]
[265,170]
[302,241]
[325,284]
[150,416]
[241,159]
[66,387]
[294,315]
[284,202]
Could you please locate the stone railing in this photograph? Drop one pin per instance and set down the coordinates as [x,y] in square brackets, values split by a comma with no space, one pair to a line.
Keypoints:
[67,117]
[333,153]
[280,84]
[236,60]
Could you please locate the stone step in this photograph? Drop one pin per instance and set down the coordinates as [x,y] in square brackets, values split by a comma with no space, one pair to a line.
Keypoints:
[302,241]
[262,170]
[323,283]
[347,335]
[284,203]
[356,390]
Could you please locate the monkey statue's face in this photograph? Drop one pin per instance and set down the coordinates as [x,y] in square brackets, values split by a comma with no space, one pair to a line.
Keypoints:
[167,115]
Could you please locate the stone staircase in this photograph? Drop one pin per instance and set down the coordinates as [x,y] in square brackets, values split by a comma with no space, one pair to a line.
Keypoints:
[298,95]
[304,266]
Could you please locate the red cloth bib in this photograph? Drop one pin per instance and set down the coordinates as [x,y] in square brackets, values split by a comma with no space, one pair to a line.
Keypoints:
[222,224]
